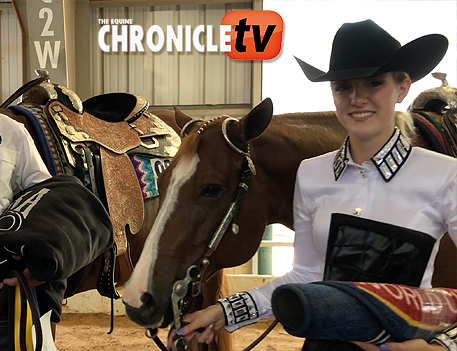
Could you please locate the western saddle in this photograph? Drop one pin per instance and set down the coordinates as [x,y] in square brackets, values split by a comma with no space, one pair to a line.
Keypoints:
[98,136]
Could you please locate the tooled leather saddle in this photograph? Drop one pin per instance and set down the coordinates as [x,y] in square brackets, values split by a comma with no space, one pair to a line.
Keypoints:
[112,126]
[98,136]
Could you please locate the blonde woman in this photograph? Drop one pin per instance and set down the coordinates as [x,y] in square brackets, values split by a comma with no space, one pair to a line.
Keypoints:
[376,175]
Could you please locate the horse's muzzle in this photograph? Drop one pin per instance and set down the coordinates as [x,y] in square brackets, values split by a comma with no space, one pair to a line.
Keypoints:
[146,315]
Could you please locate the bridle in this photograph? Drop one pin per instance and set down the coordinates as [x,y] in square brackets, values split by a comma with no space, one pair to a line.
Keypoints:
[196,272]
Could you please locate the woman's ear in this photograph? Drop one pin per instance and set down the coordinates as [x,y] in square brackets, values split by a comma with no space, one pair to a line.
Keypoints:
[403,89]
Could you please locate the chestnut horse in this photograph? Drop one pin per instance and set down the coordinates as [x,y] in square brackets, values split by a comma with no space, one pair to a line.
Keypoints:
[201,184]
[86,279]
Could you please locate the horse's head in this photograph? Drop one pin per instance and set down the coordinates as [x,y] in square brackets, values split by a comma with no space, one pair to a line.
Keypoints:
[196,191]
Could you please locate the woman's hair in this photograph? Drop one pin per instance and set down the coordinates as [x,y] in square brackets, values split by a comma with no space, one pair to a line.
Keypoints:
[404,120]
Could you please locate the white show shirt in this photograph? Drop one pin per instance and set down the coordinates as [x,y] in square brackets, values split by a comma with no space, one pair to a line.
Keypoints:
[20,163]
[421,196]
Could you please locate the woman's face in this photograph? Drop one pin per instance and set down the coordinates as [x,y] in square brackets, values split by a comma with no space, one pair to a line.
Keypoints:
[366,106]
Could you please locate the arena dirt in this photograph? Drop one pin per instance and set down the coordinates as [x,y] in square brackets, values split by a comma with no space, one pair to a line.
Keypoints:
[81,332]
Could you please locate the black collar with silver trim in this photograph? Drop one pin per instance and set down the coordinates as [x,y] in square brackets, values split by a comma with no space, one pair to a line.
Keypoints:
[388,160]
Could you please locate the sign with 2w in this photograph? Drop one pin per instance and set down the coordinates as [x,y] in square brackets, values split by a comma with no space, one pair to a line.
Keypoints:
[43,22]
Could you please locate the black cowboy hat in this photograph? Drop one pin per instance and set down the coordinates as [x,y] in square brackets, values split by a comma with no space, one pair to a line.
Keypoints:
[363,49]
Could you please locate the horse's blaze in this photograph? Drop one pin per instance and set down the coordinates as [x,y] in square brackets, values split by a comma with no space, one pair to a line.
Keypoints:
[141,280]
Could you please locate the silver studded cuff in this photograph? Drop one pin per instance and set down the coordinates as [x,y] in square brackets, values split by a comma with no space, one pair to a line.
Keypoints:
[447,338]
[239,308]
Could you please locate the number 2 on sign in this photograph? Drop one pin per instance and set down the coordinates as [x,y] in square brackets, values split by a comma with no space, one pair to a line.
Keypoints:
[46,51]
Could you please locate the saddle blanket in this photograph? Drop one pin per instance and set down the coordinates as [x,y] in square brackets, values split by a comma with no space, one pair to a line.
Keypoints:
[53,153]
[368,312]
[433,130]
[148,170]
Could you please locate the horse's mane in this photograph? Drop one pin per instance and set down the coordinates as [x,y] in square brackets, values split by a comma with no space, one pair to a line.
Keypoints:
[306,118]
[299,128]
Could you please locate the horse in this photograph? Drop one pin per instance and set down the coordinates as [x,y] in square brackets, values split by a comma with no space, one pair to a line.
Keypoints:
[202,186]
[88,277]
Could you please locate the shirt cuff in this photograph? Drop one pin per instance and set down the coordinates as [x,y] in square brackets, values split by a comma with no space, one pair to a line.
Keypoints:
[447,339]
[239,310]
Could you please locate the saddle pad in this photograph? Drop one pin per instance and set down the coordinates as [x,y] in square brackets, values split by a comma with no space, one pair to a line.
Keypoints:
[440,121]
[49,142]
[148,170]
[450,125]
[431,132]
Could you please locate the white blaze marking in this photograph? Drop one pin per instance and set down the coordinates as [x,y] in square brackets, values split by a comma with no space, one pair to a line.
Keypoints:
[138,282]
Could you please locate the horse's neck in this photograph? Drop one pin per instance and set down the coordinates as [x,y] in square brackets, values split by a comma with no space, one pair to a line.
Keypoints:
[288,140]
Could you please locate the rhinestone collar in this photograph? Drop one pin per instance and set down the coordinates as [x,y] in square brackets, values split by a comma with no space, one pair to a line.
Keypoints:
[341,159]
[388,160]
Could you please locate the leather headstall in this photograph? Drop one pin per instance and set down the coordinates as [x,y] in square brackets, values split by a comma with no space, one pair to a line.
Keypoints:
[191,285]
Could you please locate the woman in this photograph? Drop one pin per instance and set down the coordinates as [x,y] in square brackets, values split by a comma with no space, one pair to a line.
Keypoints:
[376,175]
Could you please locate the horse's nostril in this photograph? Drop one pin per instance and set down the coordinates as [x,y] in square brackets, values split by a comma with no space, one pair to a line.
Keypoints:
[143,315]
[148,301]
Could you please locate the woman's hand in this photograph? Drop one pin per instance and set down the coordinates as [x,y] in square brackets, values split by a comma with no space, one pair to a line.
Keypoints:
[28,276]
[211,319]
[410,345]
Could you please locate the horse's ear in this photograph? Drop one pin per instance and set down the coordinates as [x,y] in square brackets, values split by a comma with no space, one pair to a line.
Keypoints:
[181,117]
[258,119]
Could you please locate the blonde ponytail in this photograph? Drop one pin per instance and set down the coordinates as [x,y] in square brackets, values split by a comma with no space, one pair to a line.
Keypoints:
[404,122]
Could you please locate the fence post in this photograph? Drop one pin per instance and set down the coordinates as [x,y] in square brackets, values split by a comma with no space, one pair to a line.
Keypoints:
[265,255]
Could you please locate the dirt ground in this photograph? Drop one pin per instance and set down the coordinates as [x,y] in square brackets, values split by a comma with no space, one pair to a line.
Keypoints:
[81,332]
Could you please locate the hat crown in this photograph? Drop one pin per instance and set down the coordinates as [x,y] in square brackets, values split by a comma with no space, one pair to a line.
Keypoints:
[361,45]
[363,49]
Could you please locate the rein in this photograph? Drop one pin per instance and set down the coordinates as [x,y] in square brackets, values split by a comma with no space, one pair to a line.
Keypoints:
[43,76]
[17,337]
[196,272]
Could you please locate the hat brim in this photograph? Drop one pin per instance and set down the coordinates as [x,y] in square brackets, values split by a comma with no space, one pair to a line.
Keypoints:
[417,58]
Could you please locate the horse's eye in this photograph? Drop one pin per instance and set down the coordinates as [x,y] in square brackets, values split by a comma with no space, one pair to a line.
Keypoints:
[211,190]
